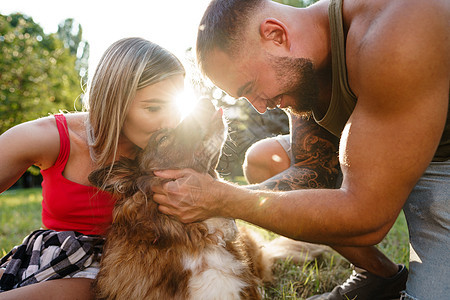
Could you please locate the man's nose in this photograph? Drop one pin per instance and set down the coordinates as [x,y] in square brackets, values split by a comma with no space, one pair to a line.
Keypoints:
[257,103]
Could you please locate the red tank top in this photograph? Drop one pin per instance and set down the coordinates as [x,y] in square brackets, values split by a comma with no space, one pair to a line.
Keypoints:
[70,206]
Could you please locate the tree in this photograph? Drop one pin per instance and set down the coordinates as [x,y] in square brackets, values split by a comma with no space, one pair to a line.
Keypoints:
[71,34]
[38,73]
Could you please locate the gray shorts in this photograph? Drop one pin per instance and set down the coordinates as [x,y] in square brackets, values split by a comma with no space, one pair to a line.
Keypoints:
[427,212]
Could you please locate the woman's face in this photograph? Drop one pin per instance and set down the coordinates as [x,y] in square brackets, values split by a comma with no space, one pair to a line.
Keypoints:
[153,108]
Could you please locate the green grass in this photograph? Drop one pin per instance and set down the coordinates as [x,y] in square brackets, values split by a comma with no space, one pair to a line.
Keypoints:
[20,213]
[301,281]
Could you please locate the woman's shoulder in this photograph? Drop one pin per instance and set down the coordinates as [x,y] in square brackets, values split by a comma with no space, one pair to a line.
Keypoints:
[47,125]
[39,129]
[33,142]
[39,139]
[77,122]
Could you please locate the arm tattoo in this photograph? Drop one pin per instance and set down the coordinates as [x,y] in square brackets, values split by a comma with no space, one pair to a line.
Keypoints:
[315,162]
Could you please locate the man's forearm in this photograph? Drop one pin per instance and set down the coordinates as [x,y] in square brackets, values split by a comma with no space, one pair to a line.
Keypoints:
[310,215]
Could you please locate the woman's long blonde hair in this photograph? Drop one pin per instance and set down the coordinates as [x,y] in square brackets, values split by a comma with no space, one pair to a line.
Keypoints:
[127,65]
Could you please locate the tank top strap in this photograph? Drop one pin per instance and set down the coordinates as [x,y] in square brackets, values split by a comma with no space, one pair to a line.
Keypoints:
[339,67]
[64,141]
[343,100]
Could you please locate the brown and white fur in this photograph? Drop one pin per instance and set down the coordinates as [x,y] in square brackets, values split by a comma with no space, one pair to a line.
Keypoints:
[149,255]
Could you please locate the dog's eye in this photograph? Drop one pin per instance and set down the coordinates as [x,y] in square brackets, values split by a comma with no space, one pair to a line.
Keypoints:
[162,139]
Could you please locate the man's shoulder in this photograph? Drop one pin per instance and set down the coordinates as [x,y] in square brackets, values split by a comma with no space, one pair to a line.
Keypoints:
[385,43]
[371,10]
[381,20]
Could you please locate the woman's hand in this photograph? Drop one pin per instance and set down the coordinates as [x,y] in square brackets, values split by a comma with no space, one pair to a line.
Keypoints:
[190,197]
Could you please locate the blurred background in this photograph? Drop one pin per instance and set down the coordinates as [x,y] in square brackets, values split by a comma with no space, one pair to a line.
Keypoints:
[49,50]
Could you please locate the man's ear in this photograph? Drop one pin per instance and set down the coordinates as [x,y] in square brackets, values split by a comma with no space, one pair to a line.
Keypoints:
[273,30]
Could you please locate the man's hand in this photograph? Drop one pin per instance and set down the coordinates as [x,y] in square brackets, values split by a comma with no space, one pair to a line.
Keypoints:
[189,197]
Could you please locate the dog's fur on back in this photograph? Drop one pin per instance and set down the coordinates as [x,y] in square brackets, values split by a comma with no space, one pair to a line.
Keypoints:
[149,255]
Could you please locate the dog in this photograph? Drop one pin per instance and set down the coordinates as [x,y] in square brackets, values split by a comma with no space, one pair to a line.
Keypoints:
[149,255]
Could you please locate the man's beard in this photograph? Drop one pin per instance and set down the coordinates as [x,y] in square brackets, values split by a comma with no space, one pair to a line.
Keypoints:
[298,79]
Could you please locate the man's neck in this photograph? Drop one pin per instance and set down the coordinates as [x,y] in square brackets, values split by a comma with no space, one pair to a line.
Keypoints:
[324,79]
[322,62]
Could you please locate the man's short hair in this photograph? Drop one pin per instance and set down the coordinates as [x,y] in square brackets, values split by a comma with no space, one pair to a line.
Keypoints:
[223,25]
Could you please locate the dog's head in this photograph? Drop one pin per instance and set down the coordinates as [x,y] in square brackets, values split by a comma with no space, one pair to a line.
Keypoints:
[195,143]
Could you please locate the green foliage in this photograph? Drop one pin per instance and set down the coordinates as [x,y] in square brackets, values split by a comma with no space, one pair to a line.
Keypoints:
[71,34]
[38,74]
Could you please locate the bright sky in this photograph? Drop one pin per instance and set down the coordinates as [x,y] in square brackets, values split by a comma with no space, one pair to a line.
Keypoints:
[169,23]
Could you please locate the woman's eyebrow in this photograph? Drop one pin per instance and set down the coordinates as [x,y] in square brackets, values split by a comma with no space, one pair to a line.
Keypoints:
[154,100]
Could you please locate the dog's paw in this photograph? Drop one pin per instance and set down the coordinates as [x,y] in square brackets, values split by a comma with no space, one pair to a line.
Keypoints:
[225,229]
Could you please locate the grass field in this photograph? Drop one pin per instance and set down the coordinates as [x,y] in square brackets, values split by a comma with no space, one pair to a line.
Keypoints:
[20,214]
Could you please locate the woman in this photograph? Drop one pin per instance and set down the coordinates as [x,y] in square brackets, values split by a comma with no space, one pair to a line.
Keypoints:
[132,95]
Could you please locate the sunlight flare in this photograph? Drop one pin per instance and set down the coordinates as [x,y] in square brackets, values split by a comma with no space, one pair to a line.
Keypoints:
[262,201]
[186,102]
[276,158]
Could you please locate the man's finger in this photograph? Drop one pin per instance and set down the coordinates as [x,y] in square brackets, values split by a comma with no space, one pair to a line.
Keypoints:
[171,187]
[170,174]
[167,211]
[161,199]
[165,188]
[164,209]
[158,189]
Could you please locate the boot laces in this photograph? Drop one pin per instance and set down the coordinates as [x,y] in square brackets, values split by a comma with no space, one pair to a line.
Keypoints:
[354,279]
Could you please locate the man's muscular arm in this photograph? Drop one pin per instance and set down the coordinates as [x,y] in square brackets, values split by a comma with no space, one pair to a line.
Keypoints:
[314,161]
[401,77]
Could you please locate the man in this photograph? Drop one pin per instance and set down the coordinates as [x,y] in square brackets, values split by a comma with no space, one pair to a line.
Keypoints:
[376,74]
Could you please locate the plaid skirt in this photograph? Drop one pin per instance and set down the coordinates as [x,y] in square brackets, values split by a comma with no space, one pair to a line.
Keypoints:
[48,254]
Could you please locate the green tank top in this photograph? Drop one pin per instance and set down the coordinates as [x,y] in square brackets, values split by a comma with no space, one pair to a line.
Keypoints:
[343,100]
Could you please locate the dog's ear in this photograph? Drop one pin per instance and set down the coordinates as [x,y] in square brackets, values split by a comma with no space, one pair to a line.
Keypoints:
[144,183]
[118,179]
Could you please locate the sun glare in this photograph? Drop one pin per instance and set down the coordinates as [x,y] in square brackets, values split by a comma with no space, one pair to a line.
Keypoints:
[186,102]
